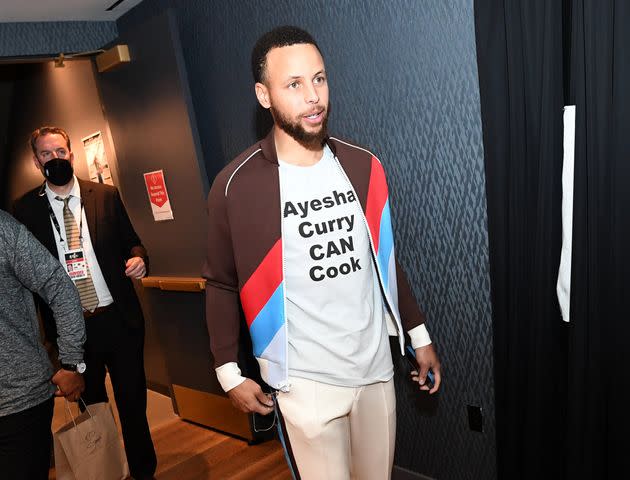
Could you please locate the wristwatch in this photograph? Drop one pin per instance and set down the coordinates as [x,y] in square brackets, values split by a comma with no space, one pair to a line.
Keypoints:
[74,367]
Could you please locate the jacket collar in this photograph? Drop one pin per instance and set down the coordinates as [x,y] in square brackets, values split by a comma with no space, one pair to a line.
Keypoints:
[89,203]
[268,147]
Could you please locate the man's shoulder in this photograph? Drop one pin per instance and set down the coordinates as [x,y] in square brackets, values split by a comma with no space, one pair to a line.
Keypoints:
[30,195]
[227,173]
[98,188]
[7,220]
[9,226]
[345,147]
[26,201]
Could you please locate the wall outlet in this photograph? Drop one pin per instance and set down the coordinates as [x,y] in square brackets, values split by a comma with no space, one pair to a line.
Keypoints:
[475,418]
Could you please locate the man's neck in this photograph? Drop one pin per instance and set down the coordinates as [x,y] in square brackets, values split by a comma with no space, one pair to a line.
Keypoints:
[62,190]
[293,152]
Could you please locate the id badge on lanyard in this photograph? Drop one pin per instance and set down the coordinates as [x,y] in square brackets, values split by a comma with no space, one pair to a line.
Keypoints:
[76,264]
[75,260]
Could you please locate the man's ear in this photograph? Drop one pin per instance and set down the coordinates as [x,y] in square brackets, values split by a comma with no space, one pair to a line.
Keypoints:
[36,162]
[262,94]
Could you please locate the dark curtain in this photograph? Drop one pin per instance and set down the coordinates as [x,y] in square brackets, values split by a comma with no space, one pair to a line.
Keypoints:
[561,389]
[599,79]
[519,55]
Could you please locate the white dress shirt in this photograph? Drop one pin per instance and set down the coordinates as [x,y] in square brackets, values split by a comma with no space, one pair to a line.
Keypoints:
[103,293]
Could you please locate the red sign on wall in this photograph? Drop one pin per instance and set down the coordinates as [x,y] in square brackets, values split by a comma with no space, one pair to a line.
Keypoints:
[156,188]
[158,196]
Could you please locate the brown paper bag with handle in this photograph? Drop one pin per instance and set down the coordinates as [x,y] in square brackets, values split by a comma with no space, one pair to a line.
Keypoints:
[89,447]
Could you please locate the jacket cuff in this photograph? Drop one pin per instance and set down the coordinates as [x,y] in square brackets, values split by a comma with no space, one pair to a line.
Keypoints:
[229,376]
[419,336]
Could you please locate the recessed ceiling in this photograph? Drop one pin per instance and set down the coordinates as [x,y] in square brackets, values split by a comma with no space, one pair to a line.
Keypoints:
[62,10]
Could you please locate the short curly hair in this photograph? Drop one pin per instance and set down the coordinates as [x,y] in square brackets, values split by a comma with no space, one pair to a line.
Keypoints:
[283,36]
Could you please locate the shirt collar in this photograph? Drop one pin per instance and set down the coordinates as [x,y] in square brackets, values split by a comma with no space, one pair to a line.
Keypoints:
[327,155]
[75,192]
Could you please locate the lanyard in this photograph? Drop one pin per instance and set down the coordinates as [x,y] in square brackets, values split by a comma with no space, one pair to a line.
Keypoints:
[56,223]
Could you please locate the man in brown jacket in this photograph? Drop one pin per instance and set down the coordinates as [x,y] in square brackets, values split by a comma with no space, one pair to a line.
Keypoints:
[300,237]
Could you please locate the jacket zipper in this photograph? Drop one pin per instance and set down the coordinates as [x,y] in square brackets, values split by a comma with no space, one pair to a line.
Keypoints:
[286,386]
[375,258]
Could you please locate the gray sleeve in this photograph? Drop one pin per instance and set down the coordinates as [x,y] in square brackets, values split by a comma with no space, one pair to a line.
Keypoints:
[41,273]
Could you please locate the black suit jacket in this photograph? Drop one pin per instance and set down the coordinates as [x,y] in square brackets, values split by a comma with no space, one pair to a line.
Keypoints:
[113,238]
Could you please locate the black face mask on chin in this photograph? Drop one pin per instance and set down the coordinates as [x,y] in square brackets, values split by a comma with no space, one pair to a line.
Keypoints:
[58,171]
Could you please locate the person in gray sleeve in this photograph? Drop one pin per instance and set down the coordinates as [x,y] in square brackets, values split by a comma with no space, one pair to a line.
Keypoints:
[27,381]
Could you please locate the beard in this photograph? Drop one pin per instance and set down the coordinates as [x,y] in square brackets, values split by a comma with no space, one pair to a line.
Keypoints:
[309,140]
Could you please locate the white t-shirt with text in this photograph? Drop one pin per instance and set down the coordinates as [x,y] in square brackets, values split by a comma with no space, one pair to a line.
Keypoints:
[336,326]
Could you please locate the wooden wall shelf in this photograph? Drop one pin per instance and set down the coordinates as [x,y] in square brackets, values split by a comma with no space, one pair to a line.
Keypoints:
[175,284]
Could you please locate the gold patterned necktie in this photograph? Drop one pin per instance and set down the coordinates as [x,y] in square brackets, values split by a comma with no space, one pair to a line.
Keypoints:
[85,286]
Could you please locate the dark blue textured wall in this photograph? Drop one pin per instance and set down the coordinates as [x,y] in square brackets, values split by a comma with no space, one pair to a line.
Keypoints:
[403,81]
[45,38]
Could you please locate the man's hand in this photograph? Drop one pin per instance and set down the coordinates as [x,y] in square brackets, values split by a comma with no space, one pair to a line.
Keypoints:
[135,267]
[427,359]
[69,384]
[248,397]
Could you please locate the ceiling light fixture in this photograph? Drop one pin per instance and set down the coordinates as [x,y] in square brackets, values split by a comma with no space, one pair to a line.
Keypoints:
[59,60]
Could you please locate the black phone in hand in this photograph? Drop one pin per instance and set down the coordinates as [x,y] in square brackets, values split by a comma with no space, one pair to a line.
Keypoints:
[410,356]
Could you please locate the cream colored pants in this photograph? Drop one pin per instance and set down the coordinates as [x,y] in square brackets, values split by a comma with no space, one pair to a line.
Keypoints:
[340,433]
